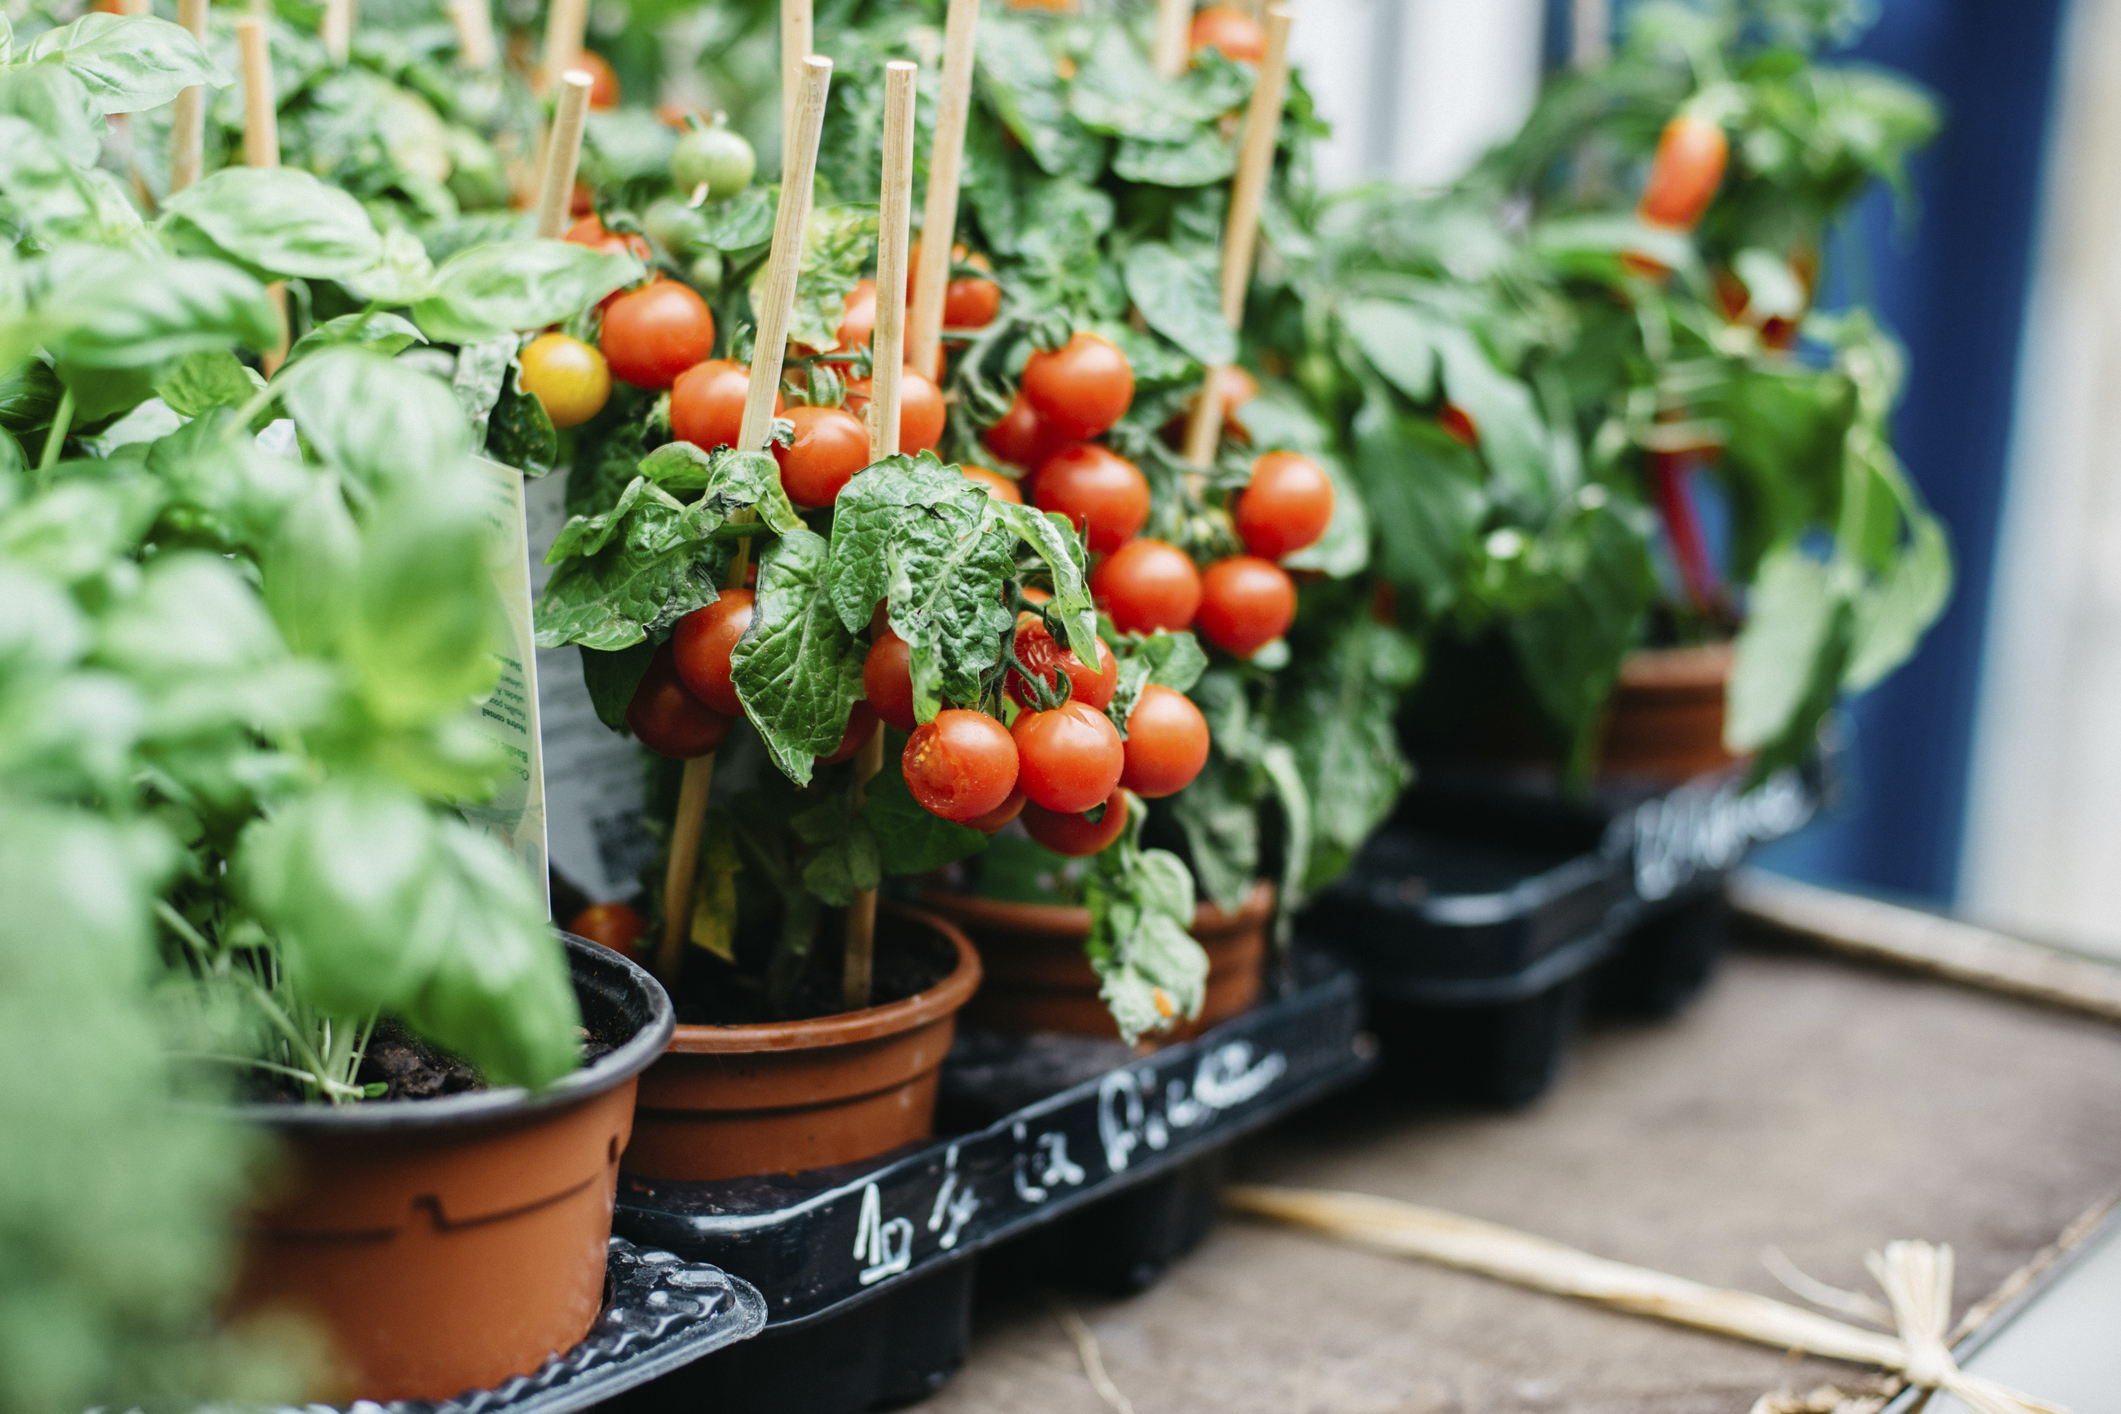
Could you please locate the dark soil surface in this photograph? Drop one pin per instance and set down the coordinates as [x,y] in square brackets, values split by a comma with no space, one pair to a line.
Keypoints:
[413,1069]
[908,960]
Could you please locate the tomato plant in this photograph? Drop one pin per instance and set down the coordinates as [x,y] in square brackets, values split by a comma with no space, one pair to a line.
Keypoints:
[858,322]
[1036,650]
[1236,34]
[1070,757]
[921,410]
[707,403]
[653,334]
[603,80]
[995,484]
[702,644]
[712,155]
[1096,487]
[1021,436]
[667,719]
[829,447]
[1080,389]
[861,725]
[887,680]
[1684,175]
[612,924]
[961,766]
[969,302]
[1245,603]
[1286,506]
[1076,834]
[1167,743]
[1147,585]
[1000,815]
[569,379]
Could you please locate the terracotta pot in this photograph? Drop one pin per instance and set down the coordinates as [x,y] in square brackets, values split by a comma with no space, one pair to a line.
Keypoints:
[1039,980]
[1665,720]
[446,1245]
[778,1097]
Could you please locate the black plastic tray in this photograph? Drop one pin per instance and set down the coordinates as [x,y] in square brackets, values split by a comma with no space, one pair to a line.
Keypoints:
[1488,915]
[1081,1162]
[660,1312]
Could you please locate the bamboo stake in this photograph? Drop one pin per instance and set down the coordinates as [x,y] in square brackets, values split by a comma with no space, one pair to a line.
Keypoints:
[795,49]
[337,29]
[261,143]
[924,337]
[136,7]
[1174,28]
[565,24]
[187,138]
[778,294]
[475,43]
[894,235]
[1241,232]
[563,152]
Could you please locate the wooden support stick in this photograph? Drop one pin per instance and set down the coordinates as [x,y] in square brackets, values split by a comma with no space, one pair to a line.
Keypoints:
[135,7]
[261,143]
[337,29]
[795,48]
[187,138]
[924,334]
[565,24]
[778,294]
[1241,231]
[563,151]
[1174,31]
[894,234]
[476,48]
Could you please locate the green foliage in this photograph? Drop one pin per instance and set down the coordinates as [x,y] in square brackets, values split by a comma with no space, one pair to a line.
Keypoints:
[1151,971]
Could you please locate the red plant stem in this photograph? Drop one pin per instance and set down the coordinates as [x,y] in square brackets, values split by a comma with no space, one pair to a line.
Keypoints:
[1682,527]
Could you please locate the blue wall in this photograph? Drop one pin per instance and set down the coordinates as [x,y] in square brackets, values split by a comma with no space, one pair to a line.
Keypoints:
[1955,290]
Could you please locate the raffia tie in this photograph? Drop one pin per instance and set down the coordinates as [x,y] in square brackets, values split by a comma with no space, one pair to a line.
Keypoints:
[1916,1278]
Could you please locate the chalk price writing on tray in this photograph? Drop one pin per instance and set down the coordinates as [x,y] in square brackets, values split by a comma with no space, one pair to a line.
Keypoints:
[1127,1114]
[1709,826]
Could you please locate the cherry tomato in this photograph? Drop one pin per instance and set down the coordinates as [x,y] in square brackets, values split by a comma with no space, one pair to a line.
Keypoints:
[1235,387]
[887,680]
[1245,603]
[969,302]
[1070,757]
[715,156]
[1002,814]
[1684,175]
[921,410]
[1036,650]
[1167,743]
[1234,32]
[590,231]
[1074,835]
[612,924]
[668,719]
[1094,485]
[604,80]
[858,322]
[656,332]
[960,766]
[861,725]
[702,645]
[1459,425]
[569,379]
[1021,436]
[1146,585]
[1287,505]
[830,446]
[1083,388]
[1000,487]
[707,403]
[675,113]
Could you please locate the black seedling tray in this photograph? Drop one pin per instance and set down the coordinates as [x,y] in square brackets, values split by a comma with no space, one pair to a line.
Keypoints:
[1487,916]
[1075,1158]
[660,1312]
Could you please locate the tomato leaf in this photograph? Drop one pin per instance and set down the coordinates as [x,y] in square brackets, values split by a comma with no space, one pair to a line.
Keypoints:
[868,514]
[1049,534]
[519,432]
[843,850]
[274,222]
[1398,342]
[1180,296]
[628,573]
[515,285]
[744,222]
[1426,488]
[1150,969]
[1204,156]
[836,246]
[1020,80]
[946,574]
[611,678]
[795,669]
[1172,660]
[731,480]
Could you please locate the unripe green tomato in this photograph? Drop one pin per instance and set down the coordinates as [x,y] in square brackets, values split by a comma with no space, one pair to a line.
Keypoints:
[716,155]
[672,225]
[705,272]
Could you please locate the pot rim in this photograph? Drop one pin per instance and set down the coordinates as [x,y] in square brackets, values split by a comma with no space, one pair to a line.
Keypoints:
[1697,666]
[1062,920]
[608,1071]
[847,1028]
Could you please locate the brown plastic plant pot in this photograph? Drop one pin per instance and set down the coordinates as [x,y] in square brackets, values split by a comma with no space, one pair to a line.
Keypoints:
[446,1245]
[1038,978]
[1665,720]
[779,1097]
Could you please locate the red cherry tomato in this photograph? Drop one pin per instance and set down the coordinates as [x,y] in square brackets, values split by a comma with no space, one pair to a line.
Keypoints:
[858,323]
[590,231]
[1074,835]
[1287,505]
[1234,32]
[1036,650]
[861,725]
[1684,175]
[1000,487]
[887,680]
[1458,425]
[1082,388]
[668,719]
[1021,437]
[1167,743]
[1245,603]
[1002,814]
[830,446]
[702,645]
[1235,387]
[707,403]
[604,81]
[960,766]
[968,302]
[614,925]
[1146,585]
[1070,757]
[921,410]
[656,332]
[1093,485]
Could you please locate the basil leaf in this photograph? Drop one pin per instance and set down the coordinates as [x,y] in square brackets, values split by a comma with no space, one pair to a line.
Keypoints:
[208,379]
[334,397]
[275,222]
[127,62]
[1181,298]
[515,285]
[56,103]
[403,272]
[426,619]
[627,573]
[385,334]
[795,669]
[122,311]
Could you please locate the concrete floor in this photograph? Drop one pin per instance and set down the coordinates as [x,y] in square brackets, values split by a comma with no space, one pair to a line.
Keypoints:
[1802,1103]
